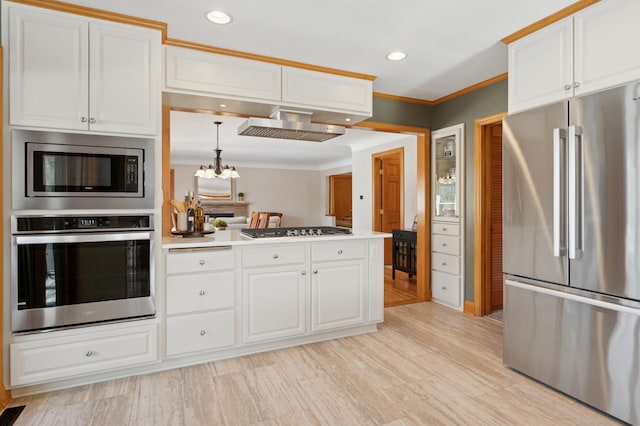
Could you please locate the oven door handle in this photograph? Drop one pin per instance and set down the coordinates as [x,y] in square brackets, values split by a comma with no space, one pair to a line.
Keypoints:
[82,238]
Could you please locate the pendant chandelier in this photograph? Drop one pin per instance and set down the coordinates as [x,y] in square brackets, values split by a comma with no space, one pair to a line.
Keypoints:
[217,170]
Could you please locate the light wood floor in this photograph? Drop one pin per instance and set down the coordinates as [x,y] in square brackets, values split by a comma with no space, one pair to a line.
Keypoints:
[400,291]
[427,365]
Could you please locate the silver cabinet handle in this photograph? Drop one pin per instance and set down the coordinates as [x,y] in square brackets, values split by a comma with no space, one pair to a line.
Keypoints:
[576,84]
[444,229]
[444,287]
[202,332]
[83,119]
[303,273]
[567,86]
[202,262]
[444,263]
[202,293]
[315,271]
[559,153]
[339,251]
[275,256]
[444,244]
[89,354]
[92,120]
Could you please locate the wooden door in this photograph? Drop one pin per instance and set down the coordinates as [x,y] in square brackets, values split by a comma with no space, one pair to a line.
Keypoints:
[495,176]
[390,172]
[340,200]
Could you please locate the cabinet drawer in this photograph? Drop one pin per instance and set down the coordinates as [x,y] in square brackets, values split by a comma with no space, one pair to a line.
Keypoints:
[198,332]
[199,292]
[446,244]
[62,357]
[446,228]
[273,255]
[199,260]
[445,263]
[446,288]
[338,251]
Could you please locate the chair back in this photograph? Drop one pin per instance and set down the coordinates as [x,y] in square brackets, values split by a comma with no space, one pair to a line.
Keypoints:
[254,220]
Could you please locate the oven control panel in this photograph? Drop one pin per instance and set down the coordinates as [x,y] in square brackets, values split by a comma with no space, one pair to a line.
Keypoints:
[30,224]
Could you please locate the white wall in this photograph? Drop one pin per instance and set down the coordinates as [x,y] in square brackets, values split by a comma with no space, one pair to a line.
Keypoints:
[362,183]
[294,193]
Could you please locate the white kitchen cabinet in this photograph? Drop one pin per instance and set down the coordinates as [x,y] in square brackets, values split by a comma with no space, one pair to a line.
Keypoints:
[221,75]
[200,300]
[275,292]
[66,354]
[338,285]
[105,78]
[447,216]
[583,53]
[310,89]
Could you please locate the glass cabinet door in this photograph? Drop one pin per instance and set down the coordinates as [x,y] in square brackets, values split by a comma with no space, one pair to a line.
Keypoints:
[447,172]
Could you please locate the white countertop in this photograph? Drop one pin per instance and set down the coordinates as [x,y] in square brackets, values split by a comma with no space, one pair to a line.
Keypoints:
[234,237]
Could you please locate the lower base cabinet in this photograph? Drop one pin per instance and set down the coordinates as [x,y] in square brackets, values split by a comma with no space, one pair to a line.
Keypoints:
[445,288]
[338,295]
[76,354]
[200,332]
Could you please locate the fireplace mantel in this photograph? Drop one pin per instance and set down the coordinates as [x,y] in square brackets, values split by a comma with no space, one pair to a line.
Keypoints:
[238,208]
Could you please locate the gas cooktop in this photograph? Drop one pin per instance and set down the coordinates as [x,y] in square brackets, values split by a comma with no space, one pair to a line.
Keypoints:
[296,231]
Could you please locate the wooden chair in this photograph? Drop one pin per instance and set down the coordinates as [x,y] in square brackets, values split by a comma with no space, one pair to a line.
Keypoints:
[254,220]
[263,220]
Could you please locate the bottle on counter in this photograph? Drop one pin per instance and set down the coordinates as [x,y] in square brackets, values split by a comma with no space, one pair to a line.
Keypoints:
[199,218]
[187,200]
[191,219]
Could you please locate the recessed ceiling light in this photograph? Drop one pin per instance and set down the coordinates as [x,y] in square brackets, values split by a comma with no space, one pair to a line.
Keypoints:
[396,56]
[223,105]
[219,17]
[347,120]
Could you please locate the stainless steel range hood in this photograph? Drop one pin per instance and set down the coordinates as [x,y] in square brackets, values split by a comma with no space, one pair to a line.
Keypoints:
[287,124]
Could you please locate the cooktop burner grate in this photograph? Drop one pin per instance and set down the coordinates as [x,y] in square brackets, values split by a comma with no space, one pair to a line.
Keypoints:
[296,231]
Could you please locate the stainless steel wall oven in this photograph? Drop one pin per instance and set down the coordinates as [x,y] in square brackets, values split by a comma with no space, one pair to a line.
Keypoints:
[79,171]
[74,270]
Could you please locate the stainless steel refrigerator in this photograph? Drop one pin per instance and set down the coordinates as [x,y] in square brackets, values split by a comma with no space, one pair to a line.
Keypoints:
[571,194]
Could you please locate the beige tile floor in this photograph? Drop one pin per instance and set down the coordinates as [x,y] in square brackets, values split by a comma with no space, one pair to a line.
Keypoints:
[427,365]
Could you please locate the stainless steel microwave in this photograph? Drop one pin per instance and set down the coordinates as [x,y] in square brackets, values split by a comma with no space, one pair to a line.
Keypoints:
[79,171]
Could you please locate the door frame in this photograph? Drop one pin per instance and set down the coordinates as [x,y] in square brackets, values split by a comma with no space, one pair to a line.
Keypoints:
[482,220]
[423,200]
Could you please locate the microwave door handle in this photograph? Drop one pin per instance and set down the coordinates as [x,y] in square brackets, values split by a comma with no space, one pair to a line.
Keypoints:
[576,188]
[559,187]
[82,238]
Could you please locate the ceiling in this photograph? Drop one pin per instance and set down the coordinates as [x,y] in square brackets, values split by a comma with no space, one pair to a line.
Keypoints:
[451,45]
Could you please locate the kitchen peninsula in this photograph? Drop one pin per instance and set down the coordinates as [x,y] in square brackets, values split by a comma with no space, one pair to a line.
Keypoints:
[231,294]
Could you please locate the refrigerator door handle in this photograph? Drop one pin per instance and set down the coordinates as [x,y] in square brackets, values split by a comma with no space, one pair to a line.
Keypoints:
[576,181]
[559,172]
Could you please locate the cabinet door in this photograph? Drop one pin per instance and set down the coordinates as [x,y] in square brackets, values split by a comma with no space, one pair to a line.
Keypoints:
[327,91]
[48,77]
[125,85]
[274,302]
[446,289]
[338,294]
[606,45]
[541,67]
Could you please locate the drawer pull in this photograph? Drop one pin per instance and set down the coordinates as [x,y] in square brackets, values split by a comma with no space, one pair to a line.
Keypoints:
[303,273]
[202,332]
[444,229]
[567,86]
[444,263]
[92,120]
[83,119]
[202,262]
[315,271]
[275,256]
[444,244]
[201,292]
[89,354]
[339,251]
[444,287]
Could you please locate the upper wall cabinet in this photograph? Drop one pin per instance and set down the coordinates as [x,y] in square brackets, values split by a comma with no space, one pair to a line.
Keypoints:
[204,80]
[587,52]
[222,75]
[70,72]
[322,90]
